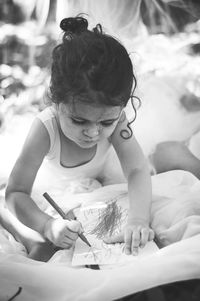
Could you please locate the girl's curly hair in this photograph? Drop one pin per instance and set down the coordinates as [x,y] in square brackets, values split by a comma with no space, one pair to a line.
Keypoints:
[92,66]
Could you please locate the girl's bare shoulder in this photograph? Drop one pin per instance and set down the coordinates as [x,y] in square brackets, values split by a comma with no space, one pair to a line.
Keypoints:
[32,154]
[37,142]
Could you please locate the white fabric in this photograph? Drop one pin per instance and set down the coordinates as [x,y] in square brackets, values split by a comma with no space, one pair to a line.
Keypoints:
[53,282]
[175,218]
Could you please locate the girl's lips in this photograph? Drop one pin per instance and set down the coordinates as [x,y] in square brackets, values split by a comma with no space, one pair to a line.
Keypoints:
[90,141]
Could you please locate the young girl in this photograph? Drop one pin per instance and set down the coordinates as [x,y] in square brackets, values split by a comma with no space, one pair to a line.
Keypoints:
[92,80]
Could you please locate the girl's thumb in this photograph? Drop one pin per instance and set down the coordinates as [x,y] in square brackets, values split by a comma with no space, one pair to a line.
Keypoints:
[75,226]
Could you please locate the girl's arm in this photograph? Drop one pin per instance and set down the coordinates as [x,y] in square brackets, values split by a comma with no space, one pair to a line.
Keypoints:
[23,175]
[137,173]
[20,185]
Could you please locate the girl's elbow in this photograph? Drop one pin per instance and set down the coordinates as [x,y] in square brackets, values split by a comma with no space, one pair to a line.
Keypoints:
[14,186]
[143,170]
[132,173]
[8,193]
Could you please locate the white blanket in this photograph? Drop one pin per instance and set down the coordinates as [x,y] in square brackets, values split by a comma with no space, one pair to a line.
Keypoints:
[176,220]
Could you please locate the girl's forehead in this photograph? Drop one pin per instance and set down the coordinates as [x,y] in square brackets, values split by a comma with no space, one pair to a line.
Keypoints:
[92,112]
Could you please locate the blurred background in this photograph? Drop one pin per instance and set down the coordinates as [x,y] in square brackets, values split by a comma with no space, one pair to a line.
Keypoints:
[162,37]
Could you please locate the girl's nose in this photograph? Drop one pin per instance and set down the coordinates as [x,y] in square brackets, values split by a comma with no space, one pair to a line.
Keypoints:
[92,131]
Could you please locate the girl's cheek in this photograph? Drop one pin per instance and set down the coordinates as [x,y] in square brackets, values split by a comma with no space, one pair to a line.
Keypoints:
[108,131]
[66,127]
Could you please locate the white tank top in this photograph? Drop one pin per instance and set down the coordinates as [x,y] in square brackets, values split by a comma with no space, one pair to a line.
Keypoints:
[54,178]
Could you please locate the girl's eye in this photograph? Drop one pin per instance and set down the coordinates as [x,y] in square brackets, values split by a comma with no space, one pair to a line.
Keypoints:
[78,121]
[107,123]
[82,122]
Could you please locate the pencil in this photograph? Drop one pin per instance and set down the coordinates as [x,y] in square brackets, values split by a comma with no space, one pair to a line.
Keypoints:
[63,215]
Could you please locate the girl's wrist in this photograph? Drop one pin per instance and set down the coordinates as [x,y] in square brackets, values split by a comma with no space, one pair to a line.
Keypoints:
[137,219]
[46,226]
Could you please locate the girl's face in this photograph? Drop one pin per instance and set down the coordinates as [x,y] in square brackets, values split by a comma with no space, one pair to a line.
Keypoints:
[87,124]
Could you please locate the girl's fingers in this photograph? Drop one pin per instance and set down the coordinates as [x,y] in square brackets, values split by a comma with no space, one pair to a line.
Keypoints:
[135,242]
[128,241]
[74,226]
[151,235]
[70,236]
[68,239]
[133,238]
[65,245]
[144,237]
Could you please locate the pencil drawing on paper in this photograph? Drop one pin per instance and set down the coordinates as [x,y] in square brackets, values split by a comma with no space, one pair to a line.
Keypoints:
[109,221]
[99,223]
[99,253]
[104,254]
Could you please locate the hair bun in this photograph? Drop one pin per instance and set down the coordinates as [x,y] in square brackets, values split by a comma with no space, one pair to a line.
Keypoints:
[74,25]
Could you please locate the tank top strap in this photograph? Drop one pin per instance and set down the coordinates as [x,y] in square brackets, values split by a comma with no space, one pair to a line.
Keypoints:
[48,118]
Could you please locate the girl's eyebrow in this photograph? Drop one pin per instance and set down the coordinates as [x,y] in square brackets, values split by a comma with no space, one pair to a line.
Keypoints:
[105,120]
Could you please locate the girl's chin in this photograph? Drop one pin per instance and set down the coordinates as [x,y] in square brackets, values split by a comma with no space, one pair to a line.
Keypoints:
[87,144]
[84,143]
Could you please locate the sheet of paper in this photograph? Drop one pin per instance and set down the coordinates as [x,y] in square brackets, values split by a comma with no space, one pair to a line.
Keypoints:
[107,253]
[100,220]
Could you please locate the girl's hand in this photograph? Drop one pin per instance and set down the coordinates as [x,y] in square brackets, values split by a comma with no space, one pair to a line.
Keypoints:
[62,233]
[136,234]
